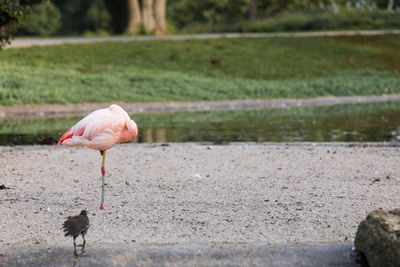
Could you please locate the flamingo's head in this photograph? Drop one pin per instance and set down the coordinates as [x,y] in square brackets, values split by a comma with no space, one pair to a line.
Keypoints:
[130,131]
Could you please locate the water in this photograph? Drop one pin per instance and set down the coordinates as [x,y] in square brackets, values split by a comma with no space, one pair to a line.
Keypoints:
[375,122]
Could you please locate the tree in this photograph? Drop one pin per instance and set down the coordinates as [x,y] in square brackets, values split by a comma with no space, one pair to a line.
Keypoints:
[78,17]
[160,15]
[134,16]
[390,5]
[128,16]
[185,12]
[252,10]
[12,11]
[43,20]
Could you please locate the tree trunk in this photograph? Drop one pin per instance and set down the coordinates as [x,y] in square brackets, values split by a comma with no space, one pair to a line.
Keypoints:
[252,10]
[390,5]
[159,14]
[148,15]
[135,16]
[335,7]
[128,14]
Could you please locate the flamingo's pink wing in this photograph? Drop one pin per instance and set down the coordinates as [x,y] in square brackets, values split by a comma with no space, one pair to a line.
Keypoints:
[70,133]
[98,122]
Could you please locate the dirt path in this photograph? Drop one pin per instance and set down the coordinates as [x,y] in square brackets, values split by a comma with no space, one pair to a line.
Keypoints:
[59,110]
[25,42]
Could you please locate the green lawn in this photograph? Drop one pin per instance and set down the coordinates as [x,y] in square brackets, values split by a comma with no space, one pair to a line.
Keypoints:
[183,70]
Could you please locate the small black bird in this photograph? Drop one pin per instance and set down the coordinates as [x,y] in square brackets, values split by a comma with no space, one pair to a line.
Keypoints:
[75,226]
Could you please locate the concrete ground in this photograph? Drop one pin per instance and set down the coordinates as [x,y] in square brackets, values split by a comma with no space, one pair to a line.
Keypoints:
[191,255]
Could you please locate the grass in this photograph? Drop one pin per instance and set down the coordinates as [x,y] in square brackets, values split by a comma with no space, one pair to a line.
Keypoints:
[184,70]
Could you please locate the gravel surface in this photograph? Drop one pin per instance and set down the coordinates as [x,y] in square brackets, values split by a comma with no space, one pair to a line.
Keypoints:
[195,193]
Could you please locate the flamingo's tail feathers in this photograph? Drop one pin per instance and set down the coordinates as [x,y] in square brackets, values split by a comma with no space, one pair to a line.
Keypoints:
[65,136]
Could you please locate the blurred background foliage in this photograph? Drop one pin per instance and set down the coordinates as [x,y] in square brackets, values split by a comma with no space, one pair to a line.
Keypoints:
[43,20]
[282,15]
[64,17]
[198,69]
[13,11]
[91,17]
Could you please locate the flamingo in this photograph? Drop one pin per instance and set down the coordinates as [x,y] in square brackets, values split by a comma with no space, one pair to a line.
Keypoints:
[100,130]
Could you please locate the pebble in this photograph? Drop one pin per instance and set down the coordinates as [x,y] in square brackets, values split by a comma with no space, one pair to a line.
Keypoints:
[196,175]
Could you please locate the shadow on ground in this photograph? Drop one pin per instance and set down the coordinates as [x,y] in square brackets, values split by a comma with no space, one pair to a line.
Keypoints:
[189,255]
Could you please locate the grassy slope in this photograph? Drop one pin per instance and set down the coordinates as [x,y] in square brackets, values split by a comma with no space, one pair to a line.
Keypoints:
[182,70]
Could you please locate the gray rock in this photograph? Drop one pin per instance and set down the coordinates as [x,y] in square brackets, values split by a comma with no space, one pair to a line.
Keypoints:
[378,237]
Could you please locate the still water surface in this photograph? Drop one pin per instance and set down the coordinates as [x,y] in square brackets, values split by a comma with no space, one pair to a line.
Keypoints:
[343,123]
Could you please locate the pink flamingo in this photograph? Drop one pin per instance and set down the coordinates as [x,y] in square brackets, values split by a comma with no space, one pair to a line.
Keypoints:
[100,130]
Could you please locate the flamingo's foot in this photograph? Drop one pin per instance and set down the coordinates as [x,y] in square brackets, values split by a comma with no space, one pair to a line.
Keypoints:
[101,206]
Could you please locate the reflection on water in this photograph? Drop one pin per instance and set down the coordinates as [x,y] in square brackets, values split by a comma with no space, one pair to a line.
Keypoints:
[345,123]
[157,135]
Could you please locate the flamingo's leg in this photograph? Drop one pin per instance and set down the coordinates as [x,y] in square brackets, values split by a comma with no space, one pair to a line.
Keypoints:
[103,172]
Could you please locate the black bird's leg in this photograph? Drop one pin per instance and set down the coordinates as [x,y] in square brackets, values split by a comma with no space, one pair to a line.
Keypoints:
[83,245]
[76,254]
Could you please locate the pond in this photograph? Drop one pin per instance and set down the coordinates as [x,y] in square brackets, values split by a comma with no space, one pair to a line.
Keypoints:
[372,122]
